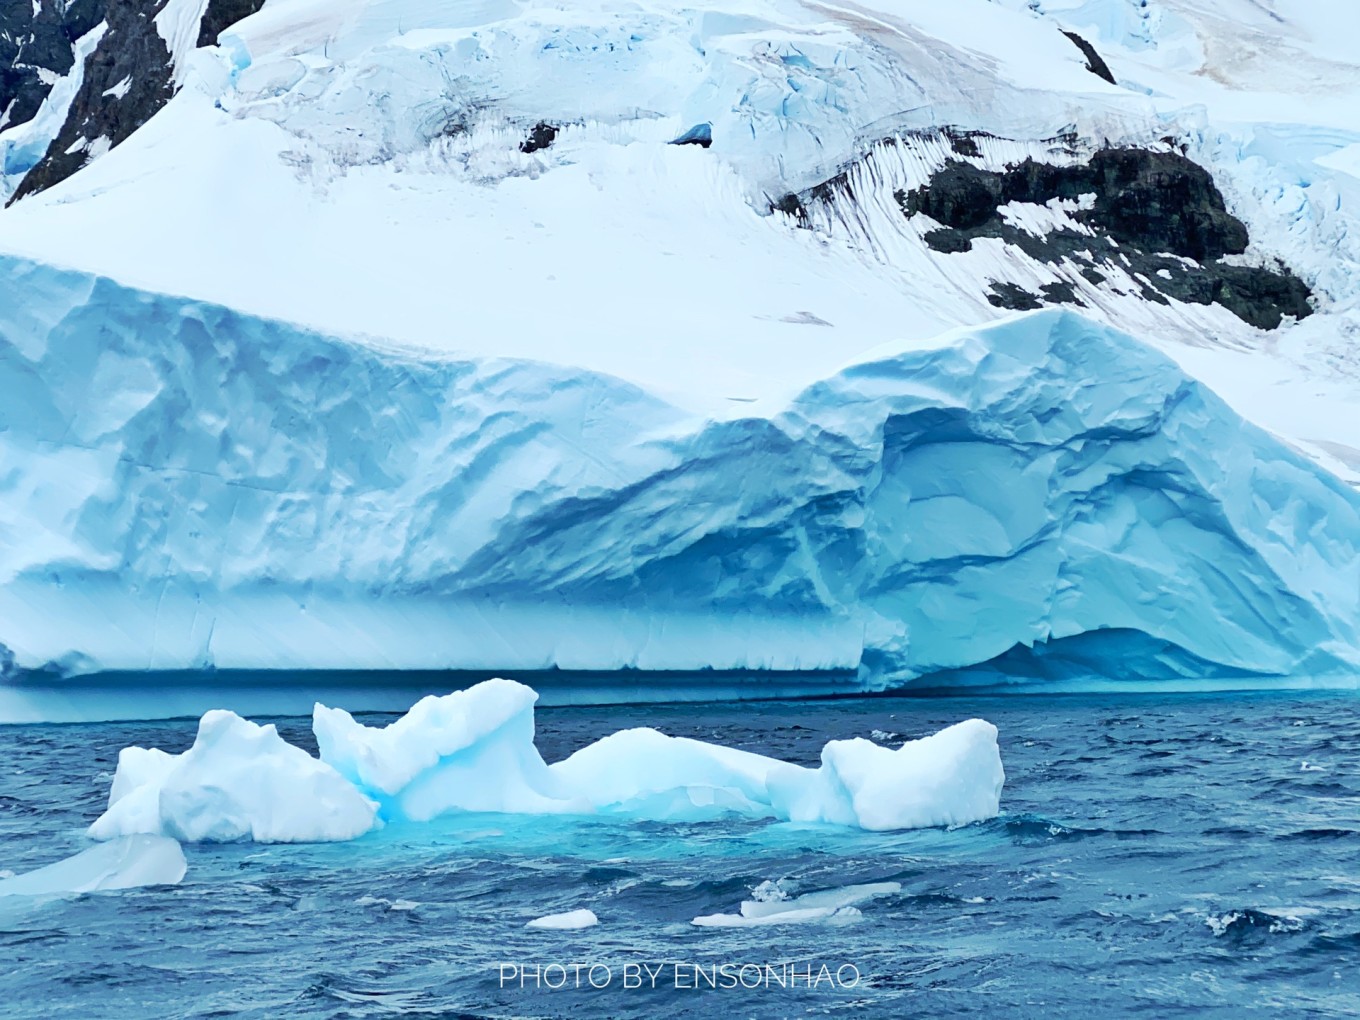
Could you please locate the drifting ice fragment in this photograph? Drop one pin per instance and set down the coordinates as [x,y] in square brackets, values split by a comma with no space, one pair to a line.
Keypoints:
[836,906]
[570,920]
[125,863]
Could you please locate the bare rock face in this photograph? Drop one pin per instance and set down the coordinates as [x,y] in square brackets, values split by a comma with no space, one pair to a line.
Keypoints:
[1154,208]
[1095,63]
[37,44]
[222,14]
[127,79]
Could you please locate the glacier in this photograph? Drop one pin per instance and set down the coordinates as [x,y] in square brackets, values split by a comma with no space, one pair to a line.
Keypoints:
[189,488]
[473,751]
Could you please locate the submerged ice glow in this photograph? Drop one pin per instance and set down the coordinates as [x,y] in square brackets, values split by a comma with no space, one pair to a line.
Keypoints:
[473,751]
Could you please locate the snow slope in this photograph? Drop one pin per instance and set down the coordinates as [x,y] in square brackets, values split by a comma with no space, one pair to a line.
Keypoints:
[326,367]
[356,167]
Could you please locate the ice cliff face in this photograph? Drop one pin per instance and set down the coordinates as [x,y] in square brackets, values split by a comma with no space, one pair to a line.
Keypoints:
[201,488]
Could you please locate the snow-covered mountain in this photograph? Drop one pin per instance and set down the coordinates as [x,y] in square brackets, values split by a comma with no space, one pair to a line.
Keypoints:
[499,334]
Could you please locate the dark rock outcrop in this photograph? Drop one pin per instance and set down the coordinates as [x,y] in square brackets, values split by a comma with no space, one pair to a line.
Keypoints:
[1012,296]
[127,79]
[1157,214]
[1157,201]
[222,14]
[1094,62]
[541,135]
[38,44]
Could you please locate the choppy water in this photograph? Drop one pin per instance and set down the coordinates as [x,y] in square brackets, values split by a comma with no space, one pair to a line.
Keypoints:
[1157,856]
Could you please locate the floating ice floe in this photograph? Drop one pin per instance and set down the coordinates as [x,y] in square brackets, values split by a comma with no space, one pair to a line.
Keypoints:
[126,863]
[772,906]
[570,920]
[474,751]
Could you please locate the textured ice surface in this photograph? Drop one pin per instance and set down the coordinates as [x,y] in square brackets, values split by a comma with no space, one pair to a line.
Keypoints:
[124,863]
[315,166]
[187,487]
[593,412]
[473,750]
[239,781]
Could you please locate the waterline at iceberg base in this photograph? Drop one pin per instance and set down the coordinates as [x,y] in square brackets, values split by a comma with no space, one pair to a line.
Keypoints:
[188,488]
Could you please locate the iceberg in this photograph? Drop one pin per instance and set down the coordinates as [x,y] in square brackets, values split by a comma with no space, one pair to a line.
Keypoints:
[128,862]
[189,488]
[950,778]
[474,750]
[238,782]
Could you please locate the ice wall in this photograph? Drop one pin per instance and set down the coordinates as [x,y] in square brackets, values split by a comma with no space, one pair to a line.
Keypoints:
[187,487]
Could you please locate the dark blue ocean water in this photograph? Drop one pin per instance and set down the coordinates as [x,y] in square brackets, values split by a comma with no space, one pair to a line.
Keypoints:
[1157,856]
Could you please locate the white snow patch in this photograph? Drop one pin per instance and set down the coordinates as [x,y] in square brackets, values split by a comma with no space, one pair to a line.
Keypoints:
[178,24]
[121,89]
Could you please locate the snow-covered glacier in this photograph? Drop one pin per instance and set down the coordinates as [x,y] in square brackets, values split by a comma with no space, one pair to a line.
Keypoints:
[186,487]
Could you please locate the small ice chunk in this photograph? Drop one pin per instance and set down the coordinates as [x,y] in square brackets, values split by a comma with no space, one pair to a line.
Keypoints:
[570,920]
[771,906]
[126,863]
[953,777]
[831,915]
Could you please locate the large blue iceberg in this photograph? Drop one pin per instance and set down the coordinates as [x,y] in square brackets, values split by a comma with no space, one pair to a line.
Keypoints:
[184,487]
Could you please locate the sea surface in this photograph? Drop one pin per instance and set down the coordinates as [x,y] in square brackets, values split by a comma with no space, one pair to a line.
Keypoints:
[1159,856]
